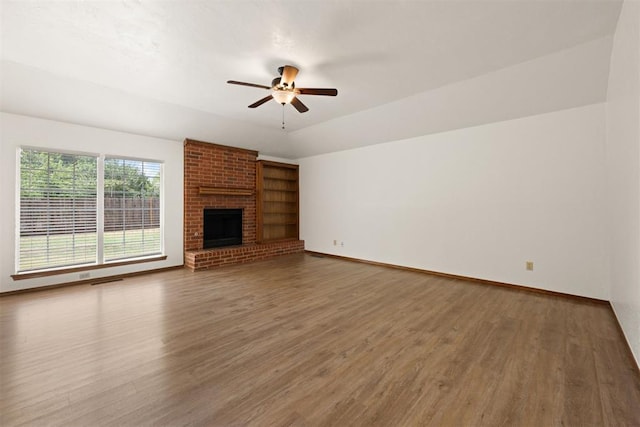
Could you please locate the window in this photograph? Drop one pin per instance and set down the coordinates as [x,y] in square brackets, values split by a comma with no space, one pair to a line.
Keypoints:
[131,208]
[57,210]
[79,210]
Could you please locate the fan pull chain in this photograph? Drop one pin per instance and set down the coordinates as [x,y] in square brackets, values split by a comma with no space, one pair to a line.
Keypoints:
[283,115]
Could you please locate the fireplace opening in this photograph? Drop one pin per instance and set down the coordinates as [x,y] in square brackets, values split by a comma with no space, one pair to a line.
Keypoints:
[222,227]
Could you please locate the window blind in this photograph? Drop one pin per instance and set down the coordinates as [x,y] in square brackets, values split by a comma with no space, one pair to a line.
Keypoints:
[131,208]
[57,210]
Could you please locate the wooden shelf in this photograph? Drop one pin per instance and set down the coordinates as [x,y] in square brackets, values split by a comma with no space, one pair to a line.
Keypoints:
[277,201]
[225,191]
[281,190]
[281,178]
[280,223]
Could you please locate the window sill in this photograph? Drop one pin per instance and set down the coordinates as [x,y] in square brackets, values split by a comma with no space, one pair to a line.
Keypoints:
[54,272]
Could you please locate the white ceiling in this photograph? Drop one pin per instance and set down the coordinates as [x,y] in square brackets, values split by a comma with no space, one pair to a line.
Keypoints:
[402,68]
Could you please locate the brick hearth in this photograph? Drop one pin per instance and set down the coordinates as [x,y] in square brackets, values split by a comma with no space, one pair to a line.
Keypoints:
[230,169]
[206,258]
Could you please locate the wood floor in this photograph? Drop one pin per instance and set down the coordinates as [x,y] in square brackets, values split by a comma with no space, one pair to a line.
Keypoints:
[307,341]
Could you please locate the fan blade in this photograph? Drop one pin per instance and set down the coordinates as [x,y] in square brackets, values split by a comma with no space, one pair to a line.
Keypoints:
[289,73]
[299,105]
[262,101]
[233,82]
[325,92]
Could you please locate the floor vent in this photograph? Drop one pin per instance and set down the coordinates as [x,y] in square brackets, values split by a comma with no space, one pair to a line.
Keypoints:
[107,280]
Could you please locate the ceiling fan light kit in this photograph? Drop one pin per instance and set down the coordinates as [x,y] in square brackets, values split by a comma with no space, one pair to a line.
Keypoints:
[284,90]
[283,96]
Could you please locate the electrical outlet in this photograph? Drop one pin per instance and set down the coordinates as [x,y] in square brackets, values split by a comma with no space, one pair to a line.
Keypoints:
[342,244]
[529,265]
[335,242]
[85,275]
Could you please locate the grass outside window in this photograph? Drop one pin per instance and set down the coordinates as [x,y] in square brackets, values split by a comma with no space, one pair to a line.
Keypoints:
[139,242]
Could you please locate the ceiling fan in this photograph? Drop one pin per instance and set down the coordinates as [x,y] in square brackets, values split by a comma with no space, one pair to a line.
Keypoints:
[284,90]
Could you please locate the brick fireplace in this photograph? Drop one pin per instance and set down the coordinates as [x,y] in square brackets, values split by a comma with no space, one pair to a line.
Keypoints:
[221,177]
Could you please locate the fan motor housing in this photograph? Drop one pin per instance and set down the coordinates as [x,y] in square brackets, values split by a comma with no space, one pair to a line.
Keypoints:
[277,83]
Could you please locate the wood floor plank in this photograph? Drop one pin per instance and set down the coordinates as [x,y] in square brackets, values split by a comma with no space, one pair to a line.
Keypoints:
[306,341]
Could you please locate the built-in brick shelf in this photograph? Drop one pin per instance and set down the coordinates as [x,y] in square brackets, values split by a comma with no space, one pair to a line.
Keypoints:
[217,176]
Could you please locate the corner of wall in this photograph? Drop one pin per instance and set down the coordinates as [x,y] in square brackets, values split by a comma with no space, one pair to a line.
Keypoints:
[623,174]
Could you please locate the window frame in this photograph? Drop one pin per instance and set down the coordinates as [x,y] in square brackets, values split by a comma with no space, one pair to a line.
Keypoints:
[100,215]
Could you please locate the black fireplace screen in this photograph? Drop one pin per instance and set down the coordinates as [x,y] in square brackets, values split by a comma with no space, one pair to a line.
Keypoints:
[222,227]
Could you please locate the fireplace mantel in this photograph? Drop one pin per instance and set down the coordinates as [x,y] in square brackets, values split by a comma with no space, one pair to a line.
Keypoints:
[225,191]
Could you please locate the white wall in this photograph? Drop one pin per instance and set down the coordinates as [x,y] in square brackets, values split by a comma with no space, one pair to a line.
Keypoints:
[476,202]
[18,130]
[623,167]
